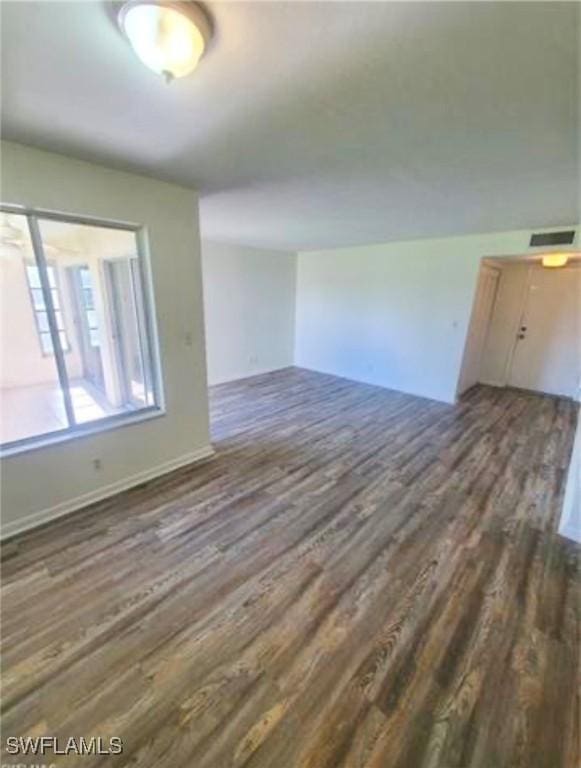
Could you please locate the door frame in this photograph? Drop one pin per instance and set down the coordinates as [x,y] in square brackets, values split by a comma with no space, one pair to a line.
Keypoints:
[496,272]
[522,309]
[82,329]
[123,373]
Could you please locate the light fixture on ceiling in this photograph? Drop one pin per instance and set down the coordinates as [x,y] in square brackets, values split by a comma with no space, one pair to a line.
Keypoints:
[169,37]
[553,260]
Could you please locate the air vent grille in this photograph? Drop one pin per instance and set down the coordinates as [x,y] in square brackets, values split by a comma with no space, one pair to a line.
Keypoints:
[544,239]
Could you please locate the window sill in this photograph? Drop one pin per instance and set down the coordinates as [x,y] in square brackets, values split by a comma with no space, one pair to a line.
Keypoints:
[83,430]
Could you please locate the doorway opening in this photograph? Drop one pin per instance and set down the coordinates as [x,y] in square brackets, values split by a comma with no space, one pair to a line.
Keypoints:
[525,327]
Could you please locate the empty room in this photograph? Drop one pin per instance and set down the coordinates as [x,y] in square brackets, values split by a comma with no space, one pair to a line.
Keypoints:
[290,384]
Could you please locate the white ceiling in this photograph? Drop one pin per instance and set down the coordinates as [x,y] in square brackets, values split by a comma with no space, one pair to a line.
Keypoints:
[320,124]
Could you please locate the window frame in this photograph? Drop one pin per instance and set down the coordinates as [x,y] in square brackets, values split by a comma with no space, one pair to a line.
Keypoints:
[91,288]
[113,421]
[39,332]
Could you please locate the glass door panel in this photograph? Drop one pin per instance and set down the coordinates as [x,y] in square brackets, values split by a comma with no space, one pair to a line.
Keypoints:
[31,399]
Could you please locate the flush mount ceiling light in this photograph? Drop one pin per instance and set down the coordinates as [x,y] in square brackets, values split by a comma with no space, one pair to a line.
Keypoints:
[553,260]
[169,37]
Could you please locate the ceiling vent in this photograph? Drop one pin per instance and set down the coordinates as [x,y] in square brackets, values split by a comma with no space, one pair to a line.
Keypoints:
[544,239]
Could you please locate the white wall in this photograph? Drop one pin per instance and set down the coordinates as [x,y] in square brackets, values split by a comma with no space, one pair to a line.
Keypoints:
[482,309]
[249,300]
[570,525]
[48,481]
[394,314]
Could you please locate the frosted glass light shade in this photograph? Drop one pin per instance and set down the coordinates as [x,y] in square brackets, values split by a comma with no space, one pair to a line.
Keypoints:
[168,37]
[555,259]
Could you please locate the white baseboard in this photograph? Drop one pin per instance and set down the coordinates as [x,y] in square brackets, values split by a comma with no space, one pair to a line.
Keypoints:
[247,374]
[493,383]
[374,382]
[104,492]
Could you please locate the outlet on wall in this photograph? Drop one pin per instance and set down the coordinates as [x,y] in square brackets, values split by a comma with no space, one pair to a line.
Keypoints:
[253,359]
[97,465]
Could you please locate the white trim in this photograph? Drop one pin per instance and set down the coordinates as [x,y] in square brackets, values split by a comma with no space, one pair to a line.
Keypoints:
[106,424]
[450,400]
[248,374]
[72,505]
[492,383]
[73,218]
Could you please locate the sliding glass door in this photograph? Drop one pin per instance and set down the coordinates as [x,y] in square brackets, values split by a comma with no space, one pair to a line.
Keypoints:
[134,362]
[86,323]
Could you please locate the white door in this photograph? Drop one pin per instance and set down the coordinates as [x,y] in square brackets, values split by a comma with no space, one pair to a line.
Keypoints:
[479,324]
[547,351]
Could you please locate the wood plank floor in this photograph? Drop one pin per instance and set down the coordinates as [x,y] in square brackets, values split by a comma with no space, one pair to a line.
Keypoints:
[361,578]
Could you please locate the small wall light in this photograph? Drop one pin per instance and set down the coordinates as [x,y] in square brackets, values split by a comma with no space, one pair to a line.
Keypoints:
[553,260]
[169,37]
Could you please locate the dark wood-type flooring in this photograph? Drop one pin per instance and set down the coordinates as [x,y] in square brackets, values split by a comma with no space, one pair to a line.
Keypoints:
[361,578]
